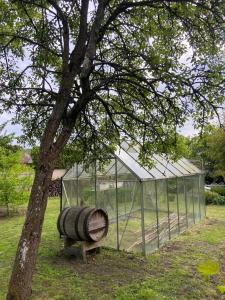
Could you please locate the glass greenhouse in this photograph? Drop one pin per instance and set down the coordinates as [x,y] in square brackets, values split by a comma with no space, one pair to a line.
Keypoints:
[146,207]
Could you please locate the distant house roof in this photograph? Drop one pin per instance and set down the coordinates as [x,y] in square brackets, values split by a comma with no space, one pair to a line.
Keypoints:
[58,173]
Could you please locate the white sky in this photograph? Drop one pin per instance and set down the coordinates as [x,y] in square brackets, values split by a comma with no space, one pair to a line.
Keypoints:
[10,128]
[187,130]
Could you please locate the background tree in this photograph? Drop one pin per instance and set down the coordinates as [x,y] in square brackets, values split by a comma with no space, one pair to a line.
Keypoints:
[15,179]
[216,151]
[96,72]
[210,148]
[69,156]
[198,146]
[6,140]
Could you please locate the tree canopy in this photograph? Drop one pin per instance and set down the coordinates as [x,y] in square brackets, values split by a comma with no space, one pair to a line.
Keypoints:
[139,69]
[66,159]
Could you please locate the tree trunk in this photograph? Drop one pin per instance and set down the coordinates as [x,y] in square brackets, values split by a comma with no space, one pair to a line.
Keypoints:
[24,264]
[21,278]
[50,148]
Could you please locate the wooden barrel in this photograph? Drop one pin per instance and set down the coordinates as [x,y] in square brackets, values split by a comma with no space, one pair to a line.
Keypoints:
[83,223]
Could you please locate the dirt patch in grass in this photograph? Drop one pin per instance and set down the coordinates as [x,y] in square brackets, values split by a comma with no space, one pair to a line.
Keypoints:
[173,246]
[212,221]
[99,278]
[121,268]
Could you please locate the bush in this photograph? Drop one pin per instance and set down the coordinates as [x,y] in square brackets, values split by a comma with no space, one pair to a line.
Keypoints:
[210,197]
[214,198]
[219,200]
[15,180]
[219,190]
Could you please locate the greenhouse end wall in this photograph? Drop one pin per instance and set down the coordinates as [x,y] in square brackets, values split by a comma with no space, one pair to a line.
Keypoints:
[143,215]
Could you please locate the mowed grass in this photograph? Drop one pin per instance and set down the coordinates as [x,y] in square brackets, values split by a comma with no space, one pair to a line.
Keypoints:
[170,273]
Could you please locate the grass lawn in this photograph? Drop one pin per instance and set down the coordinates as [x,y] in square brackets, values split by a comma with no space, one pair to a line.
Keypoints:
[170,273]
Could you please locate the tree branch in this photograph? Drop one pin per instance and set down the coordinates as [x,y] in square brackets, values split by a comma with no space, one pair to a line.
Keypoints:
[66,34]
[78,52]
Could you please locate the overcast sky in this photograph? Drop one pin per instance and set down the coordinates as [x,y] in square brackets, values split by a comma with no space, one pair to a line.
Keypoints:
[17,129]
[187,130]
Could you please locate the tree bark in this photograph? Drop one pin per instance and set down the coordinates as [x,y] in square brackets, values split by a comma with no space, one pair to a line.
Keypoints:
[51,146]
[24,264]
[21,278]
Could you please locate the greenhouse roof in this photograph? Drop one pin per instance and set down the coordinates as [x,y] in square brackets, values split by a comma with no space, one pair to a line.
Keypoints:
[162,167]
[129,159]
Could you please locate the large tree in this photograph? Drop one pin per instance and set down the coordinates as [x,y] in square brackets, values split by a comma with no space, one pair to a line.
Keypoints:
[99,71]
[210,148]
[216,150]
[15,179]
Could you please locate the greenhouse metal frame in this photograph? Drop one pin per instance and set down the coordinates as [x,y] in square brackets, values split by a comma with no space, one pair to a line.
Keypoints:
[146,206]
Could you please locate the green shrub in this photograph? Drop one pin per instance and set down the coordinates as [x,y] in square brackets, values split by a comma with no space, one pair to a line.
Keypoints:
[214,198]
[219,190]
[15,180]
[219,200]
[210,197]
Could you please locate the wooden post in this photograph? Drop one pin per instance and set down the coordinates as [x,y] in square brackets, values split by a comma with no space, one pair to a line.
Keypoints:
[85,246]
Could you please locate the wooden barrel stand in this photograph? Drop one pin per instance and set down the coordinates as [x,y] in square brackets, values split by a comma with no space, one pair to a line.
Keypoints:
[85,246]
[84,224]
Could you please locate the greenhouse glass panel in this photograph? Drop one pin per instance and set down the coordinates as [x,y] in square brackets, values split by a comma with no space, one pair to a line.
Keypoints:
[196,198]
[106,199]
[167,168]
[181,168]
[86,174]
[150,216]
[74,172]
[71,173]
[189,199]
[173,207]
[129,209]
[182,204]
[155,172]
[69,193]
[189,166]
[133,165]
[162,205]
[105,189]
[86,191]
[202,196]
